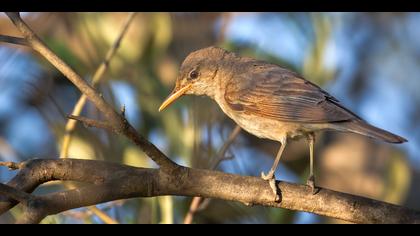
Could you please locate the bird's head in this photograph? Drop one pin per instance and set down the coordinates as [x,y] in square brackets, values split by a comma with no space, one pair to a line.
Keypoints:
[197,74]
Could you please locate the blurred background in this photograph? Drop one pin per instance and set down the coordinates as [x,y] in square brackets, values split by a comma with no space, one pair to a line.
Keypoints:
[369,61]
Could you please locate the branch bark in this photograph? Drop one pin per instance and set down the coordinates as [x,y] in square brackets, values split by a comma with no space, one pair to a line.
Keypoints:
[112,181]
[13,40]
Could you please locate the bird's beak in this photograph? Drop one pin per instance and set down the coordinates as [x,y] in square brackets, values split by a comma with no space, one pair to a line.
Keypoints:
[173,96]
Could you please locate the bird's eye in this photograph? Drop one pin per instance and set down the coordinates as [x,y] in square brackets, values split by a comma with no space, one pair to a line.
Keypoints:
[193,74]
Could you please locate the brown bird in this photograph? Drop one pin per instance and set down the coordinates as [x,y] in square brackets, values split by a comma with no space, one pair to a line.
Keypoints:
[268,101]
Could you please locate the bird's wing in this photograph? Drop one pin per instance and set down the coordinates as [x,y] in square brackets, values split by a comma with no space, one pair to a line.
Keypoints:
[276,93]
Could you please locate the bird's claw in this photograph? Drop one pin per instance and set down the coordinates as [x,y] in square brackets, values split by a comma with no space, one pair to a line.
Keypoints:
[272,181]
[311,183]
[269,176]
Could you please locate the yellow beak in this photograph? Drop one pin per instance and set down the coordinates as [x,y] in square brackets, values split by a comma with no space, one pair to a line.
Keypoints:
[173,96]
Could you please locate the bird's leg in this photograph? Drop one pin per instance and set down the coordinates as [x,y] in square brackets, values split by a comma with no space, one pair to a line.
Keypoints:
[270,176]
[311,179]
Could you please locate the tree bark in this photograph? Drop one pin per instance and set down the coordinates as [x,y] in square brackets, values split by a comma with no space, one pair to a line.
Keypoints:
[111,181]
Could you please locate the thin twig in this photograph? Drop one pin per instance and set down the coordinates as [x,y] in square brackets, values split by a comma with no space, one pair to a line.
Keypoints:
[89,212]
[13,40]
[12,165]
[93,123]
[221,155]
[102,215]
[195,204]
[196,201]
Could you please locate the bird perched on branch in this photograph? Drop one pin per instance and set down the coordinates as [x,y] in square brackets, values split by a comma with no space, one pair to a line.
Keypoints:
[268,101]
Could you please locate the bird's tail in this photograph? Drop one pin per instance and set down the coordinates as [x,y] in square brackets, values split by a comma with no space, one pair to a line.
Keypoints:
[363,128]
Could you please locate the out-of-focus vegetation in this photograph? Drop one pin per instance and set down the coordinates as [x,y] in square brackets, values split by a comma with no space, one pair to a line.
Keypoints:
[368,61]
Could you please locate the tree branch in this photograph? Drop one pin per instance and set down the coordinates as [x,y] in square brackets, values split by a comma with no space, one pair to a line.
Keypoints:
[11,165]
[120,124]
[13,193]
[13,40]
[93,123]
[111,181]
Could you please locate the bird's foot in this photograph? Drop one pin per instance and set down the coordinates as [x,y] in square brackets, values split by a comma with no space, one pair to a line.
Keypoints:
[272,181]
[269,176]
[311,183]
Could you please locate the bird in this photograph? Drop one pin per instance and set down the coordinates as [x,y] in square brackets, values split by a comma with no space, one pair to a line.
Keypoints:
[268,101]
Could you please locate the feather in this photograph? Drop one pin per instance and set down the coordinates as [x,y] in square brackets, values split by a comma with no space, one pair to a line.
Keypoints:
[277,93]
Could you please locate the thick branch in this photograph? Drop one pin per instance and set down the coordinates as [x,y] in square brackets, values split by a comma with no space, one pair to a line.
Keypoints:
[116,120]
[13,193]
[112,181]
